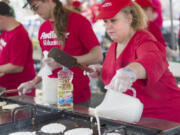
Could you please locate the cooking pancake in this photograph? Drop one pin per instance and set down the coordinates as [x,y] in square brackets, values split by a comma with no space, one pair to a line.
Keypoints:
[53,128]
[10,106]
[3,103]
[79,131]
[23,133]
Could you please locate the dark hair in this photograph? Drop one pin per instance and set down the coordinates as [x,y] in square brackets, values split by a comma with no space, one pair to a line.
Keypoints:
[6,10]
[61,20]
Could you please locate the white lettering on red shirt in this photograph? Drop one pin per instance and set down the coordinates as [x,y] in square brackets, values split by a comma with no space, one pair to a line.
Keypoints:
[2,44]
[49,38]
[50,35]
[49,43]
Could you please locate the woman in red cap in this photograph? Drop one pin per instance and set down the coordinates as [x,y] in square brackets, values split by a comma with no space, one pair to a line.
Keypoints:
[16,62]
[74,35]
[136,59]
[158,11]
[77,5]
[149,8]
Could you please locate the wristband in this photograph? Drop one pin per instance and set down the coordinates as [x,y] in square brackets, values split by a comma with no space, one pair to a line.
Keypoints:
[131,73]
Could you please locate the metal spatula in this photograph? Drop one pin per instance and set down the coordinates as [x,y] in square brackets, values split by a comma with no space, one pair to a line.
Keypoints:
[66,60]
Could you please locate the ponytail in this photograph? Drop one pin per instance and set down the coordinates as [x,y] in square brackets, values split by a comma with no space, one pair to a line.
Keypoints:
[61,21]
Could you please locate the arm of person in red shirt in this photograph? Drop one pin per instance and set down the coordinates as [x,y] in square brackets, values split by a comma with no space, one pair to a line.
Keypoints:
[90,42]
[26,87]
[10,68]
[138,69]
[149,65]
[94,56]
[150,62]
[151,55]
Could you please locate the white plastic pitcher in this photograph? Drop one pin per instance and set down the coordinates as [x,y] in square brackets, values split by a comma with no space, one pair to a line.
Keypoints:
[119,106]
[49,87]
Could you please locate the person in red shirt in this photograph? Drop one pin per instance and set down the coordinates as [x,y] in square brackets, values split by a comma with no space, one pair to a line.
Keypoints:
[76,5]
[158,11]
[16,63]
[72,33]
[149,8]
[91,11]
[136,59]
[95,7]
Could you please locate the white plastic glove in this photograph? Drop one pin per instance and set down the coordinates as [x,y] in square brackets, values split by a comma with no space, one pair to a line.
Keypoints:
[51,63]
[2,74]
[122,80]
[26,87]
[96,71]
[45,71]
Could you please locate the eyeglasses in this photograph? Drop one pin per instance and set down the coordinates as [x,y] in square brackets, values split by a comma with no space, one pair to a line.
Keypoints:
[35,7]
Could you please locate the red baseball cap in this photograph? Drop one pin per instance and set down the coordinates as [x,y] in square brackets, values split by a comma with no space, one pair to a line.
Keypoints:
[76,3]
[109,8]
[145,3]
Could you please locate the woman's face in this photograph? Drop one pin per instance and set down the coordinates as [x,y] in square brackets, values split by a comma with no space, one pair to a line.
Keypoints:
[2,22]
[149,13]
[119,27]
[42,8]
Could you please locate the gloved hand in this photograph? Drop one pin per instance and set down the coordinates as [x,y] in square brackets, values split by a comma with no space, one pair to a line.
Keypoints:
[44,71]
[122,80]
[2,74]
[26,87]
[51,63]
[96,71]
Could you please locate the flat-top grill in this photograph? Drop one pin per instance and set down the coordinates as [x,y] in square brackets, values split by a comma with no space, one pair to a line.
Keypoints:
[39,116]
[73,120]
[20,117]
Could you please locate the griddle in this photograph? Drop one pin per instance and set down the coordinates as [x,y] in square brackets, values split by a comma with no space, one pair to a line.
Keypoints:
[22,115]
[72,119]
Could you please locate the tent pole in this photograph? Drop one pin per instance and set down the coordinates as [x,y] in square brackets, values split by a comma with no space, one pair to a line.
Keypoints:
[172,25]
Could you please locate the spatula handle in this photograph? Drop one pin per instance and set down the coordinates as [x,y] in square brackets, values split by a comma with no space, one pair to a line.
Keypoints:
[84,67]
[11,91]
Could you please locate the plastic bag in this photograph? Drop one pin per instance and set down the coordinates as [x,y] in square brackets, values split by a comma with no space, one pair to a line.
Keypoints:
[45,71]
[49,85]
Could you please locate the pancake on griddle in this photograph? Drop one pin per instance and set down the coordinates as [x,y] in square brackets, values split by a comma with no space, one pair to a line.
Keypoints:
[53,128]
[79,131]
[3,103]
[23,133]
[10,106]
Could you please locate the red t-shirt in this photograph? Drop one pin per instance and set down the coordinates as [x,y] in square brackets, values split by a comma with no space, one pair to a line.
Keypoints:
[159,20]
[156,32]
[80,40]
[159,92]
[95,10]
[91,12]
[16,48]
